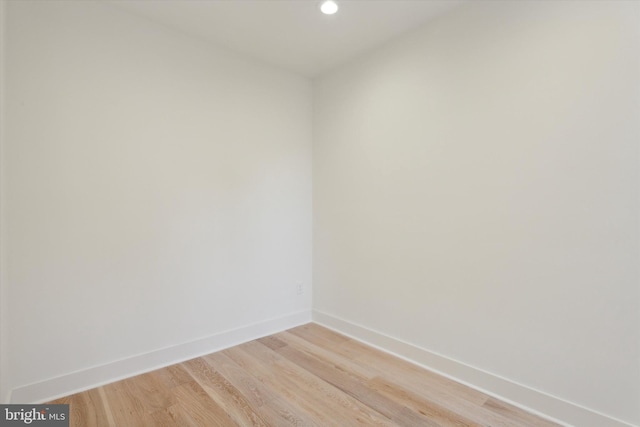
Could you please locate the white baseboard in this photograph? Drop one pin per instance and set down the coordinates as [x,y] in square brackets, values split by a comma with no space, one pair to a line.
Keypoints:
[537,402]
[100,375]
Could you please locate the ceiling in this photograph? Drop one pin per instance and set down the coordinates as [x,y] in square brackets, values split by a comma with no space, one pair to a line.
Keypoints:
[292,34]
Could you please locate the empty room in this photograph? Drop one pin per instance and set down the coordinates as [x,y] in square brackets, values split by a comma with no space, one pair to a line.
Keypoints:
[320,213]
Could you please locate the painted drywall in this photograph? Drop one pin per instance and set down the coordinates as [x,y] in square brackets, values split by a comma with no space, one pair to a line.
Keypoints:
[158,189]
[476,195]
[4,385]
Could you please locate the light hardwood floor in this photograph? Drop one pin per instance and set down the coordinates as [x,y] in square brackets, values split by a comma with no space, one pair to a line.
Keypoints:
[307,376]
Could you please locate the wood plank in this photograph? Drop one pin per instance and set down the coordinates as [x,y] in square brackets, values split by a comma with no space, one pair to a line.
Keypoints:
[273,407]
[355,386]
[86,408]
[344,409]
[308,376]
[199,409]
[309,412]
[517,414]
[404,372]
[172,416]
[272,342]
[224,393]
[107,408]
[434,412]
[333,355]
[127,408]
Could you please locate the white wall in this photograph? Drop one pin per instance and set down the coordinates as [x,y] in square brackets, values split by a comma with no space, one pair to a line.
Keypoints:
[476,195]
[4,386]
[158,189]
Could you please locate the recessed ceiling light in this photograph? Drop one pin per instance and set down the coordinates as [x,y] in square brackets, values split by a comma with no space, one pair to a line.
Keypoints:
[329,7]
